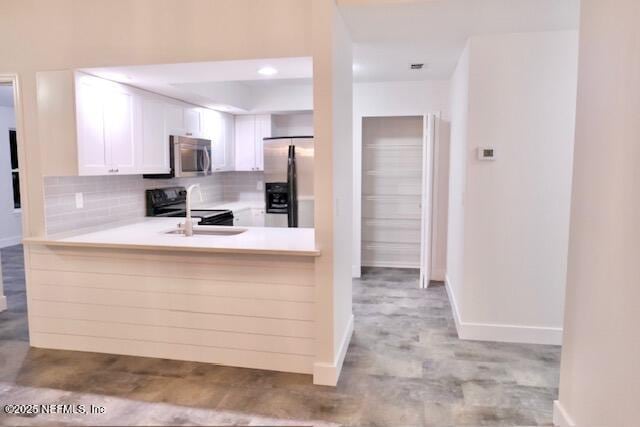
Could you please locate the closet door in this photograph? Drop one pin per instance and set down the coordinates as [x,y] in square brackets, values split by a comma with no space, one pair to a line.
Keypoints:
[392,191]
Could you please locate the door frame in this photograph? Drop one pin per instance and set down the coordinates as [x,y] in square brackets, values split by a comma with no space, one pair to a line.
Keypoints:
[431,145]
[12,78]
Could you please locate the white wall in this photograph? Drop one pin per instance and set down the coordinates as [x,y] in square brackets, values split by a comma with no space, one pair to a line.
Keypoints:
[457,176]
[294,96]
[522,92]
[10,220]
[135,32]
[600,373]
[404,99]
[294,124]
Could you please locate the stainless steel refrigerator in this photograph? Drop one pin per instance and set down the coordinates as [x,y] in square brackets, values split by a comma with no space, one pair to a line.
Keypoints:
[288,176]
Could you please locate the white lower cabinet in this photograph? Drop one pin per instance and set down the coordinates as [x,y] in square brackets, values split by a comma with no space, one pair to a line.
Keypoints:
[243,218]
[249,217]
[257,217]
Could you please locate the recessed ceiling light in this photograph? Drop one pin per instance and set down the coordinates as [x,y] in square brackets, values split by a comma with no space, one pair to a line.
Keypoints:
[356,67]
[267,71]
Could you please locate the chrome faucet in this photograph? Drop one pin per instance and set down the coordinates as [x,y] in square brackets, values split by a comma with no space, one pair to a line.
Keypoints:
[188,224]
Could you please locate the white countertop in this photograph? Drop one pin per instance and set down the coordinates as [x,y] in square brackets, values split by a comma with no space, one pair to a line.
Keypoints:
[150,234]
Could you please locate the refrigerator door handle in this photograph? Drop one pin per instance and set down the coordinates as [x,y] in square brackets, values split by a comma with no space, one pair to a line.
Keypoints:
[292,212]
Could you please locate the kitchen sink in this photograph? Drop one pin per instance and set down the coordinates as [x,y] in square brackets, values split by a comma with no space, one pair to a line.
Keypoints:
[210,232]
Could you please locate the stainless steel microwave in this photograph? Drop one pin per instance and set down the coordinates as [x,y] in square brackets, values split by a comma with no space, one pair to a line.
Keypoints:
[189,157]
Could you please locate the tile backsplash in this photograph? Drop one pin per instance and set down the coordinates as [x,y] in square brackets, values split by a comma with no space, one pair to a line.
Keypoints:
[106,199]
[109,199]
[243,186]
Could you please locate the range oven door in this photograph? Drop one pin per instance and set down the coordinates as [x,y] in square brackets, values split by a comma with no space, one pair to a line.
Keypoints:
[191,156]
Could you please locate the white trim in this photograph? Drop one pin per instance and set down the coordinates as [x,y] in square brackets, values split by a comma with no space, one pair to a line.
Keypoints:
[356,271]
[453,302]
[3,303]
[560,416]
[357,188]
[438,275]
[329,373]
[10,241]
[501,332]
[383,264]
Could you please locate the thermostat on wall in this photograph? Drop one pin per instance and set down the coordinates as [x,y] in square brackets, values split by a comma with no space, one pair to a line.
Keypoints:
[486,153]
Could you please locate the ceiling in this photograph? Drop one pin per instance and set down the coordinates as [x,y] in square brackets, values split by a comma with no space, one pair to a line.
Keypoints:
[389,35]
[223,85]
[6,95]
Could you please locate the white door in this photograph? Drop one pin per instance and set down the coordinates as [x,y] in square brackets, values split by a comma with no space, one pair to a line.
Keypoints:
[192,121]
[263,130]
[93,158]
[211,128]
[155,141]
[174,119]
[245,143]
[229,141]
[392,150]
[118,130]
[427,200]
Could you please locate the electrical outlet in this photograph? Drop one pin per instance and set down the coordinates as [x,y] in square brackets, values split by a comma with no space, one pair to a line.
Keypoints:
[259,185]
[79,201]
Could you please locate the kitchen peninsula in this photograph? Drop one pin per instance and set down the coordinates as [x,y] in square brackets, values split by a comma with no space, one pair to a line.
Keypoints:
[243,299]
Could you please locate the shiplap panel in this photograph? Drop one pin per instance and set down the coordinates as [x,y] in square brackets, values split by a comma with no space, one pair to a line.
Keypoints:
[398,230]
[192,303]
[391,191]
[239,310]
[173,286]
[220,259]
[173,318]
[241,358]
[163,334]
[53,261]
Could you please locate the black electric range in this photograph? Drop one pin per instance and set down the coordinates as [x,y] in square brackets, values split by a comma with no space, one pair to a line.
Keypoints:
[170,202]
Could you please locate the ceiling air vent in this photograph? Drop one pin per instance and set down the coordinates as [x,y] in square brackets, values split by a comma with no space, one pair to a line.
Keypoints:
[416,66]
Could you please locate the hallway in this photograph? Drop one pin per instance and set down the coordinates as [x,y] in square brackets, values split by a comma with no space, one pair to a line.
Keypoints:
[405,366]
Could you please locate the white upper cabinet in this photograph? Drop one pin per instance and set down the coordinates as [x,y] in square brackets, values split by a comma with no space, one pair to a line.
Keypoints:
[245,143]
[154,150]
[192,122]
[249,133]
[118,130]
[263,130]
[219,128]
[92,150]
[229,130]
[105,123]
[174,118]
[125,130]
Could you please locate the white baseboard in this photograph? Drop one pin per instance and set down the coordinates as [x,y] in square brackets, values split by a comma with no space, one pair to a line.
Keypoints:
[438,275]
[501,332]
[560,416]
[355,271]
[329,373]
[3,303]
[10,241]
